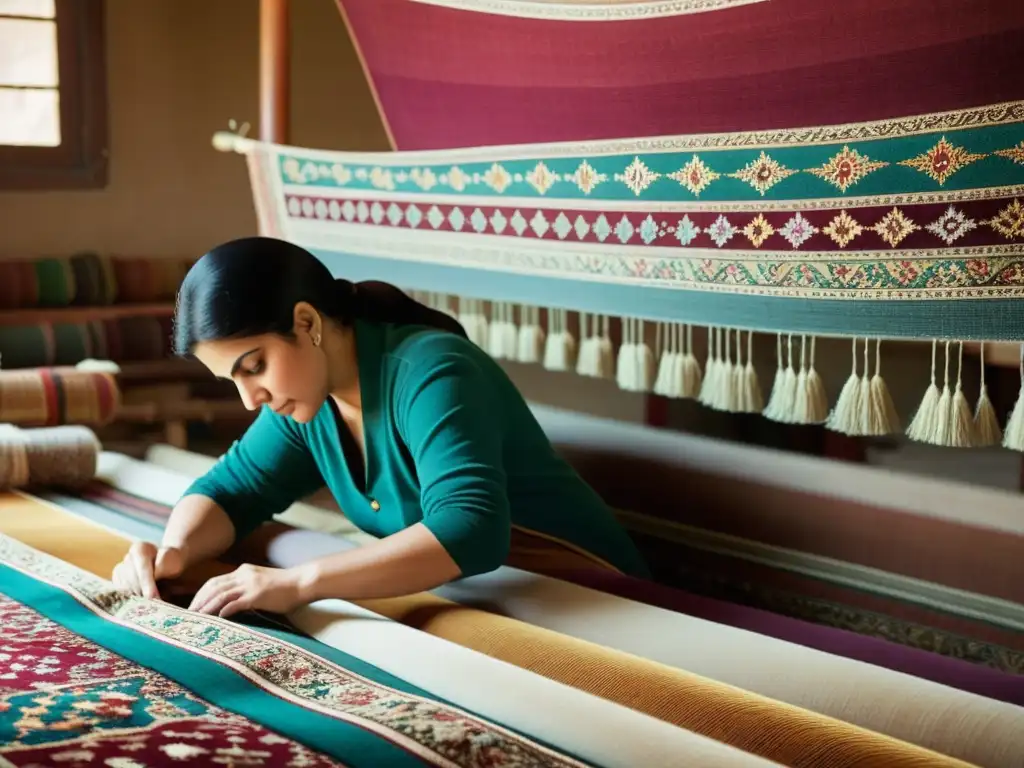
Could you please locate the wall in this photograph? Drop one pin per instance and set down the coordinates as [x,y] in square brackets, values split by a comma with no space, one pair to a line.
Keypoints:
[178,70]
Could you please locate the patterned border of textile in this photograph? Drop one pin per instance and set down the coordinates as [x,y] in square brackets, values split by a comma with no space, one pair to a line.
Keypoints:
[297,691]
[898,705]
[606,733]
[880,228]
[587,10]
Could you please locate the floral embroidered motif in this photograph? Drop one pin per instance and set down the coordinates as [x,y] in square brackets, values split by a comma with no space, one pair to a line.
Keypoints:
[1016,154]
[637,176]
[798,230]
[497,178]
[951,225]
[721,231]
[942,161]
[586,178]
[686,231]
[894,226]
[1010,221]
[541,178]
[67,701]
[434,729]
[758,230]
[424,178]
[843,229]
[456,178]
[846,168]
[695,176]
[763,173]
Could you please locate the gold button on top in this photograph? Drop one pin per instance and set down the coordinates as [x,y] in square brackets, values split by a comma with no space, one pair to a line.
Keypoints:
[375,505]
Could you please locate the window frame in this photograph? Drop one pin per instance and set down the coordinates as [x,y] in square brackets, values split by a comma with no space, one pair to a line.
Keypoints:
[81,159]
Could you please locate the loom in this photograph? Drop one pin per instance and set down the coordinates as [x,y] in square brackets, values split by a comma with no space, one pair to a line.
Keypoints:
[679,211]
[568,209]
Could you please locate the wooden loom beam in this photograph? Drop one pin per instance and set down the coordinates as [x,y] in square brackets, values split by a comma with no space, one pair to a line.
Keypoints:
[275,71]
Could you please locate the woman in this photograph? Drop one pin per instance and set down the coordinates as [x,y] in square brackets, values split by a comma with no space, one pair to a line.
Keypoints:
[420,436]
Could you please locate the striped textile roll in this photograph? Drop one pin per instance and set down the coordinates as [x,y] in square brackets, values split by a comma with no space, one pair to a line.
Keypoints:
[56,281]
[27,346]
[135,280]
[57,396]
[95,280]
[63,456]
[73,342]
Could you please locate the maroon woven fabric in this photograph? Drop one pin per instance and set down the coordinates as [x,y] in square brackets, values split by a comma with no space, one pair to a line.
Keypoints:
[449,78]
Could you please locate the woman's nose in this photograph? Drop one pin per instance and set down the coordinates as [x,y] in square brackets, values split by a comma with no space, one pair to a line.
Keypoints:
[253,396]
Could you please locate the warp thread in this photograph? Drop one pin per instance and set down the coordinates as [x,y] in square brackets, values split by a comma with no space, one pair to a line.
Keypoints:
[65,456]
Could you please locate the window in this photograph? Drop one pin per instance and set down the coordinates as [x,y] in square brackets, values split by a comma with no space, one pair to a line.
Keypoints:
[53,131]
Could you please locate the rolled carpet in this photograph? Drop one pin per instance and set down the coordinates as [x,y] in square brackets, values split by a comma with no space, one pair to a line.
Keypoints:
[600,731]
[751,722]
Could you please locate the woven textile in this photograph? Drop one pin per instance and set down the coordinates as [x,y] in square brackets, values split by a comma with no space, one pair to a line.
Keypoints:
[746,720]
[190,650]
[53,396]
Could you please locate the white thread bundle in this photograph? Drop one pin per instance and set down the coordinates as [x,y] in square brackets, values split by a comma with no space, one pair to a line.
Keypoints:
[944,418]
[560,349]
[783,395]
[1013,438]
[987,431]
[634,370]
[531,339]
[595,357]
[810,403]
[474,319]
[679,373]
[748,387]
[712,371]
[884,418]
[502,337]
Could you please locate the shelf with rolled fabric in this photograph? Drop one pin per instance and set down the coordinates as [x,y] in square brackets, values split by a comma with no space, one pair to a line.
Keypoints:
[37,338]
[89,280]
[82,314]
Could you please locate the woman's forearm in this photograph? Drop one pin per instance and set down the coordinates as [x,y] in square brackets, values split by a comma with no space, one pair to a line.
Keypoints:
[404,563]
[199,528]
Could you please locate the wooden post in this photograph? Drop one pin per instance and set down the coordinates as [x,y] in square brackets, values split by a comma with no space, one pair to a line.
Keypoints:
[275,71]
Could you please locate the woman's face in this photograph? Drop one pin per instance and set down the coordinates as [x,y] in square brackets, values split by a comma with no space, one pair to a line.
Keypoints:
[288,375]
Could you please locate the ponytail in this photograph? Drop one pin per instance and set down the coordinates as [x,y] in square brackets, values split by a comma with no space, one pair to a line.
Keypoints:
[384,303]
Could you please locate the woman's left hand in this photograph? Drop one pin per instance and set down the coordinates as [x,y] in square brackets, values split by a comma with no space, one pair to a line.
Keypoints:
[247,588]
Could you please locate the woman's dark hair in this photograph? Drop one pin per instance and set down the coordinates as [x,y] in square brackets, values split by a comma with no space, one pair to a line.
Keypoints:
[250,286]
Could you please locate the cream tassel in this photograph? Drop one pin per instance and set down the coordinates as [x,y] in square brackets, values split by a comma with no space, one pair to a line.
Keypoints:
[884,418]
[625,363]
[669,381]
[474,320]
[691,374]
[848,416]
[986,426]
[1013,438]
[943,410]
[783,397]
[496,331]
[586,360]
[811,403]
[560,349]
[635,364]
[750,399]
[961,431]
[605,351]
[727,395]
[775,395]
[530,340]
[922,426]
[712,369]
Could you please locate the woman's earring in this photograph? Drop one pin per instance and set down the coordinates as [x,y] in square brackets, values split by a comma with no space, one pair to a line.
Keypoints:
[316,340]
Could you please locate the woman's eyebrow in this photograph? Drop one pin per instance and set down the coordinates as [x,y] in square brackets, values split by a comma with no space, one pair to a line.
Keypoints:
[240,359]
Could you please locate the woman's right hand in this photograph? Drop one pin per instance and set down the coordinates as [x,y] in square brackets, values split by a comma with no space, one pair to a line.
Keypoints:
[145,565]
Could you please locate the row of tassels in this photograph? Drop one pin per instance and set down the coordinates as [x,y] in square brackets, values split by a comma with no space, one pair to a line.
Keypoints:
[729,381]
